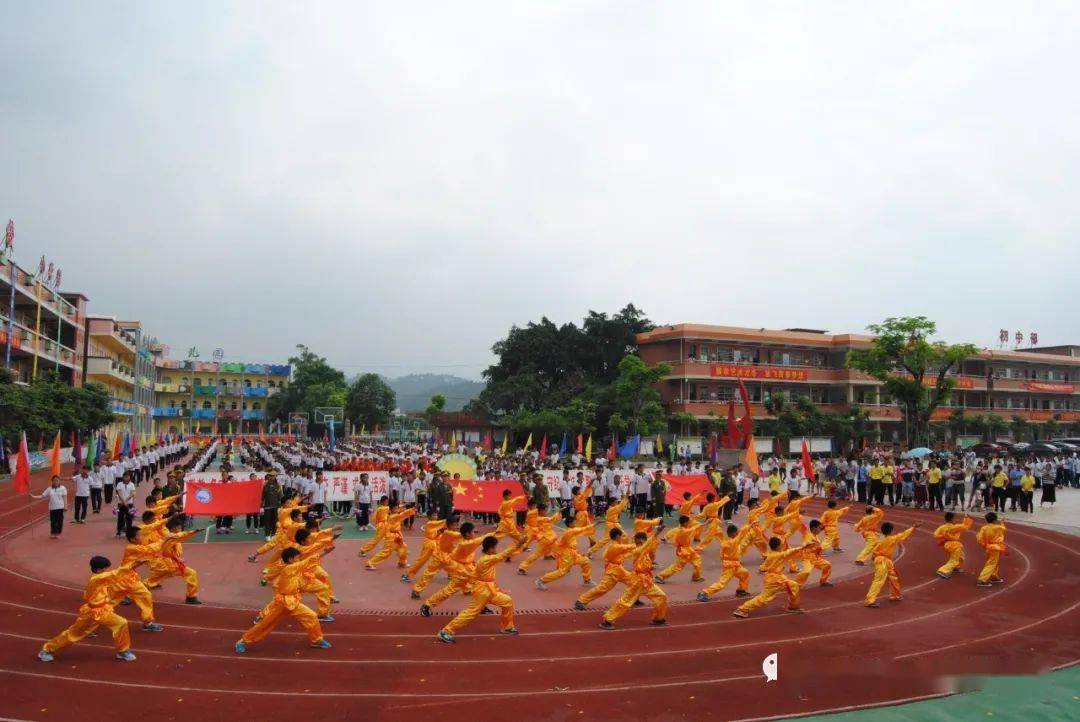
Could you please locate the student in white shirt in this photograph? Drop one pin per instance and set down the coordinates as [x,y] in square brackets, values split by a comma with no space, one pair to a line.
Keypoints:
[81,480]
[114,471]
[97,481]
[57,496]
[125,503]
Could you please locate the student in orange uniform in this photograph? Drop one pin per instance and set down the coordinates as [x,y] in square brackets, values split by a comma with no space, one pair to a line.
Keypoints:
[781,527]
[291,523]
[611,522]
[775,581]
[432,529]
[991,537]
[485,590]
[567,557]
[948,536]
[582,518]
[382,512]
[812,557]
[731,551]
[830,522]
[96,610]
[461,573]
[393,540]
[869,526]
[508,518]
[710,518]
[614,572]
[440,560]
[685,552]
[287,600]
[529,529]
[170,562]
[128,586]
[545,538]
[641,583]
[648,526]
[884,548]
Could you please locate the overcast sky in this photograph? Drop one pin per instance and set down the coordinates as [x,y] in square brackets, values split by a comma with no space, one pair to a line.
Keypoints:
[395,184]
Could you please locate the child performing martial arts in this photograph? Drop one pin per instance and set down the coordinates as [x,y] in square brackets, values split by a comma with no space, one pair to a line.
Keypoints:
[286,600]
[948,536]
[97,610]
[485,590]
[883,551]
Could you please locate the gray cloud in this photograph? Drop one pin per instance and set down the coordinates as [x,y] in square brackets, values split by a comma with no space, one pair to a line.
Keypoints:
[395,186]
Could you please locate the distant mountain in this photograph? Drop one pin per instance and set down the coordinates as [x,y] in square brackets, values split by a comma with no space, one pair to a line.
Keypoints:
[414,391]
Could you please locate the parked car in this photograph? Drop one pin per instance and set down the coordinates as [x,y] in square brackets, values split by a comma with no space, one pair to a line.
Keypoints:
[1043,447]
[986,448]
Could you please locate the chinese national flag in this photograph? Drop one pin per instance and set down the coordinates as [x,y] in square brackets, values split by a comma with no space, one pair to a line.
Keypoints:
[693,483]
[22,471]
[485,495]
[807,463]
[207,498]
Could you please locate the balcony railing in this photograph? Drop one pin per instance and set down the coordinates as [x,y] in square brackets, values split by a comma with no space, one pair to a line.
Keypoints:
[254,414]
[206,390]
[202,413]
[257,392]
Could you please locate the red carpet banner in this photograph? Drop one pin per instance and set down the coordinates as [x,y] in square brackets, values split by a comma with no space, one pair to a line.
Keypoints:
[692,483]
[484,495]
[203,498]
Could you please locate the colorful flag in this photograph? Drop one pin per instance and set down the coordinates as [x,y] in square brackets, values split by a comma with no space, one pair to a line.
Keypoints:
[630,449]
[506,442]
[528,442]
[76,450]
[3,452]
[588,449]
[488,442]
[580,441]
[333,441]
[126,448]
[54,457]
[91,450]
[659,446]
[363,429]
[453,439]
[747,420]
[807,462]
[544,447]
[614,450]
[117,450]
[22,468]
[562,446]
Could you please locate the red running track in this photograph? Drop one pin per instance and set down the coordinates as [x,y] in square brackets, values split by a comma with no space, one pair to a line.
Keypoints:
[838,655]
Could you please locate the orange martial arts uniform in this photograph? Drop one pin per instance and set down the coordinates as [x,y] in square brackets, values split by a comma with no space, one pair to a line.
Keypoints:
[641,584]
[393,540]
[432,529]
[96,610]
[545,540]
[286,527]
[614,571]
[869,526]
[783,527]
[948,536]
[812,559]
[611,521]
[440,560]
[883,566]
[507,520]
[128,583]
[775,582]
[647,526]
[382,513]
[830,522]
[731,551]
[170,563]
[461,573]
[992,538]
[287,600]
[530,526]
[567,555]
[710,519]
[582,518]
[685,552]
[485,590]
[795,522]
[314,580]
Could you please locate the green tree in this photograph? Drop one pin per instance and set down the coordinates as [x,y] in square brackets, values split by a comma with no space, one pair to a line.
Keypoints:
[435,406]
[903,358]
[370,401]
[995,426]
[1052,426]
[314,383]
[48,405]
[1020,427]
[637,402]
[956,422]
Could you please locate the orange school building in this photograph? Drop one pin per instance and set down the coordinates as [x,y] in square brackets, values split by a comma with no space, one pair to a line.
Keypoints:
[708,361]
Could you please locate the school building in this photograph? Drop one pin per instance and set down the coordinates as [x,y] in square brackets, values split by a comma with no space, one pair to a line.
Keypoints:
[708,361]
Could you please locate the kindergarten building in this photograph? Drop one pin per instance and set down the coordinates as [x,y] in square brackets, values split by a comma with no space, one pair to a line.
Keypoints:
[708,361]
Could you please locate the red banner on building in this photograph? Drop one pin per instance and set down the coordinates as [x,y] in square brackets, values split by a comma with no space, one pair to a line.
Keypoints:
[768,373]
[485,495]
[678,485]
[1051,388]
[208,498]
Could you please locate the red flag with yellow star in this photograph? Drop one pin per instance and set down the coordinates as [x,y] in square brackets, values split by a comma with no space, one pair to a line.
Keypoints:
[485,495]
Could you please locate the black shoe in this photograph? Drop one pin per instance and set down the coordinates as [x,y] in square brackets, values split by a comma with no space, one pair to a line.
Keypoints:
[660,622]
[606,625]
[425,610]
[639,603]
[414,594]
[192,600]
[578,605]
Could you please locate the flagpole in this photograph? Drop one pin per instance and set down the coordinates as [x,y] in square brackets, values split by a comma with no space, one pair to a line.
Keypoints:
[37,327]
[11,313]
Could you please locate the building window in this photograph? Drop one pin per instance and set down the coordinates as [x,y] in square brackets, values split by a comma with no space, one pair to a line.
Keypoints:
[247,383]
[233,408]
[206,405]
[256,406]
[198,382]
[172,404]
[270,384]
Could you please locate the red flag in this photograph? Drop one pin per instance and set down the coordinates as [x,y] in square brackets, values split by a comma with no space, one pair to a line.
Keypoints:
[543,447]
[54,456]
[807,463]
[580,446]
[22,471]
[613,451]
[712,448]
[485,495]
[209,498]
[488,442]
[747,420]
[677,485]
[116,448]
